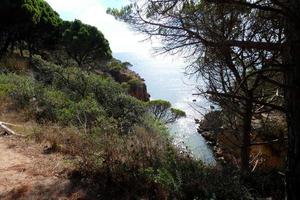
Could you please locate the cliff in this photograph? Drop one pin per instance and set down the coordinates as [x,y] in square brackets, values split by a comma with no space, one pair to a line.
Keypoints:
[135,84]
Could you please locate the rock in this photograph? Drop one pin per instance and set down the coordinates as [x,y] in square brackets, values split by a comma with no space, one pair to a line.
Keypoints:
[140,92]
[137,87]
[209,136]
[219,152]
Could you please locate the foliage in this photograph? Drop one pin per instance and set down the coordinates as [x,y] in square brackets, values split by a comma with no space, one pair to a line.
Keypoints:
[146,165]
[14,64]
[117,65]
[176,114]
[146,159]
[72,96]
[84,43]
[23,91]
[127,110]
[123,13]
[48,103]
[229,60]
[7,84]
[162,111]
[134,83]
[85,113]
[30,21]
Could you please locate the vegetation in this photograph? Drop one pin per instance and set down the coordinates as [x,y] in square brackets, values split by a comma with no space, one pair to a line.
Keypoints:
[239,48]
[84,43]
[62,76]
[162,111]
[107,130]
[28,25]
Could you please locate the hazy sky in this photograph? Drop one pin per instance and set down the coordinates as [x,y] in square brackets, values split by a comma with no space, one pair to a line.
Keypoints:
[94,12]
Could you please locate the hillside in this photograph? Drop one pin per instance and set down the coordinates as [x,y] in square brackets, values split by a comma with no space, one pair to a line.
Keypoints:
[86,127]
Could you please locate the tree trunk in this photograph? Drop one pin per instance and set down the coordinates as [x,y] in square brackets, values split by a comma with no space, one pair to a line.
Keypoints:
[12,47]
[246,137]
[21,48]
[292,98]
[3,49]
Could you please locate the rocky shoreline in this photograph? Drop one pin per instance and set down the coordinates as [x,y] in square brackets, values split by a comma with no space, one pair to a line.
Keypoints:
[212,141]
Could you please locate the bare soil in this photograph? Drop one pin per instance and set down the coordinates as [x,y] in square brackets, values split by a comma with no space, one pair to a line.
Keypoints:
[27,173]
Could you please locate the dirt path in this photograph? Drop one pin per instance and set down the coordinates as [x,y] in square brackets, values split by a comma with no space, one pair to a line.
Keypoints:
[27,173]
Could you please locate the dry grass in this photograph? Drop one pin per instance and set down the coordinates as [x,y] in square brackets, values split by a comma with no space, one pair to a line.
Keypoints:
[27,173]
[23,121]
[15,63]
[67,140]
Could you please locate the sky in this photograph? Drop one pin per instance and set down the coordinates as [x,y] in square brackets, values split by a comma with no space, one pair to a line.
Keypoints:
[93,12]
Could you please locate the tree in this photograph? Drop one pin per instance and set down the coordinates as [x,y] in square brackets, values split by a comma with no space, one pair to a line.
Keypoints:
[30,21]
[84,43]
[45,34]
[241,91]
[162,111]
[233,75]
[180,25]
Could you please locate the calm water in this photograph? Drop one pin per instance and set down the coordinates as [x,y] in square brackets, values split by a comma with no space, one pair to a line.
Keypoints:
[166,80]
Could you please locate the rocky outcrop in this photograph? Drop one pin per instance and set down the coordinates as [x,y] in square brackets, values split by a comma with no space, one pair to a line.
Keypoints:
[136,85]
[210,137]
[140,92]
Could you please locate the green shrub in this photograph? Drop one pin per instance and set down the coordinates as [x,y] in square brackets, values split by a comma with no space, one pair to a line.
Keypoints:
[146,165]
[74,81]
[49,103]
[117,65]
[13,63]
[6,84]
[127,110]
[44,71]
[23,90]
[106,91]
[84,113]
[56,106]
[134,83]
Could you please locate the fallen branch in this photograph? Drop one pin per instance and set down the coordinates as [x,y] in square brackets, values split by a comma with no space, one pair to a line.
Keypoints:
[8,130]
[10,124]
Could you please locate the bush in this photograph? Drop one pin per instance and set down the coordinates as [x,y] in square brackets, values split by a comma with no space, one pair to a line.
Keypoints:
[134,83]
[127,110]
[146,165]
[23,90]
[56,106]
[6,84]
[116,65]
[13,63]
[76,82]
[84,113]
[43,71]
[106,91]
[49,102]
